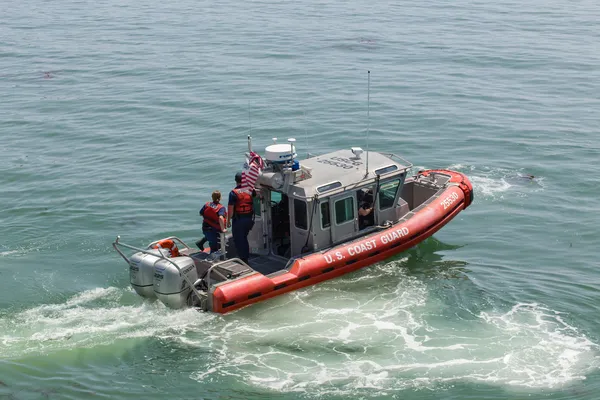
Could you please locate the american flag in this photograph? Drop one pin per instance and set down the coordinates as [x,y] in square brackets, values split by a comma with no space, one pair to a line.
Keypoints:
[251,173]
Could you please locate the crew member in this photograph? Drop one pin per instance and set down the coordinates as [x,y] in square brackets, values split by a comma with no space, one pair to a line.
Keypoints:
[214,221]
[365,212]
[240,210]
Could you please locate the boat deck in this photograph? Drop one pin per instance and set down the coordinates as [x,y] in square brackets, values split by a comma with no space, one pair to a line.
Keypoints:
[267,264]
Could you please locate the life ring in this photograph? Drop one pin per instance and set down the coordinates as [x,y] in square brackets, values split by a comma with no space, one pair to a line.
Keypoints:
[168,244]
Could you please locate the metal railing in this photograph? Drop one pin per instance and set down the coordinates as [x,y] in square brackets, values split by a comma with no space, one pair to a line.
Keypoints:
[170,238]
[160,255]
[223,248]
[408,164]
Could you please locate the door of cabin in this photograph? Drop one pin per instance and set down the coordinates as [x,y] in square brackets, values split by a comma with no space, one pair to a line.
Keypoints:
[344,216]
[257,238]
[279,212]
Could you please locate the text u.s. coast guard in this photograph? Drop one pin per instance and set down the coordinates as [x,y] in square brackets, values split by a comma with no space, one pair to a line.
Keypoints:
[355,249]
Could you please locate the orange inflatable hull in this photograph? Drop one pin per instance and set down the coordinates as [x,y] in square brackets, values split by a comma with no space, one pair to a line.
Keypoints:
[348,257]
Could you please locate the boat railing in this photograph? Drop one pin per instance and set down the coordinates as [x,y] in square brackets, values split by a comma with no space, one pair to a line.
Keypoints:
[223,247]
[175,238]
[160,255]
[407,163]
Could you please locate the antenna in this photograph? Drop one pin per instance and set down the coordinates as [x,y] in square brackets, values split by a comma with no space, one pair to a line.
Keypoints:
[249,129]
[368,117]
[305,132]
[292,141]
[249,119]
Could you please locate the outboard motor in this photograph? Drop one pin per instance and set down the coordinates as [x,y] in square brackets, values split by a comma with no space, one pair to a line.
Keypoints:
[169,285]
[141,272]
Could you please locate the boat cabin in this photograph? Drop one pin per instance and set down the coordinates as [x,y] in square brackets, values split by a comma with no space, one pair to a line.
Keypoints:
[319,202]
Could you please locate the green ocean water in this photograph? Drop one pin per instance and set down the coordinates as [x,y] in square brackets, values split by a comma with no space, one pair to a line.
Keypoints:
[121,117]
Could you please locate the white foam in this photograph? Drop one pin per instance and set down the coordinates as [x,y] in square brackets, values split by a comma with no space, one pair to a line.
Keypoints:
[389,344]
[342,337]
[489,187]
[8,252]
[493,182]
[461,167]
[89,319]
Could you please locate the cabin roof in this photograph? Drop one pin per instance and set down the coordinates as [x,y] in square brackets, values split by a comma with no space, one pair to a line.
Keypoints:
[343,167]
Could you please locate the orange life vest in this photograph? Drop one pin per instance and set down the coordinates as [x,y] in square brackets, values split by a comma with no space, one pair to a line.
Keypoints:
[169,245]
[211,215]
[243,205]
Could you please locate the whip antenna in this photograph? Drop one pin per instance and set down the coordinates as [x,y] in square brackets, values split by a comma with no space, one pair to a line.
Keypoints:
[306,133]
[249,119]
[368,117]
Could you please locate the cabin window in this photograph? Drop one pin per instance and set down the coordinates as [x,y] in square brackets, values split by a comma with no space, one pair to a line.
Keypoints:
[275,197]
[329,186]
[325,215]
[300,214]
[344,210]
[385,170]
[387,194]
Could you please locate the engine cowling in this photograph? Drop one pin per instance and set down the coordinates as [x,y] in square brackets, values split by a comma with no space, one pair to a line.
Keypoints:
[169,285]
[141,273]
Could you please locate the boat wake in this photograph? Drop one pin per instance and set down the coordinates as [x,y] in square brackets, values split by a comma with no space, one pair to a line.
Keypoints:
[9,252]
[92,318]
[492,183]
[346,338]
[371,333]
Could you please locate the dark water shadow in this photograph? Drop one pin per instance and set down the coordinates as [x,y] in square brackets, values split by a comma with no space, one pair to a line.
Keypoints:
[448,279]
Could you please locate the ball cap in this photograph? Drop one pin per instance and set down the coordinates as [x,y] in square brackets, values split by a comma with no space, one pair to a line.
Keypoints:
[238,177]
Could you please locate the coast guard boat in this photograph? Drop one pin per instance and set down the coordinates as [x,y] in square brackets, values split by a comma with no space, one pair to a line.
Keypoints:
[307,227]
